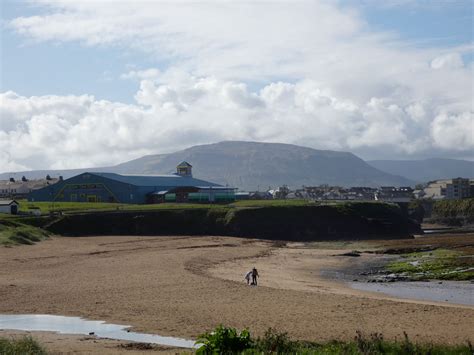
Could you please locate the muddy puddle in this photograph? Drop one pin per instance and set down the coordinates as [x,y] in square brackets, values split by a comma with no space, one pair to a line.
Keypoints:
[76,325]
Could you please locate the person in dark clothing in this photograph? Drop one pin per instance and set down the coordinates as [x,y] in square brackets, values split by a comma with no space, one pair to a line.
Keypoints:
[254,276]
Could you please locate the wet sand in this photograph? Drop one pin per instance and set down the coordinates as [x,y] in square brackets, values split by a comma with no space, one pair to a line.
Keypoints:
[79,344]
[182,286]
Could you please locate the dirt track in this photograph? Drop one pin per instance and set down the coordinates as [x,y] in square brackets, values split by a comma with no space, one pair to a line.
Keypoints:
[176,286]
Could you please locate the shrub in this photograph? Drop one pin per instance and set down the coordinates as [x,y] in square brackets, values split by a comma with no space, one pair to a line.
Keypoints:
[229,341]
[274,342]
[22,346]
[224,340]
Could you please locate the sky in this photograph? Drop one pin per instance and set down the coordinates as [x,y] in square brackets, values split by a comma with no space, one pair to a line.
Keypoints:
[96,83]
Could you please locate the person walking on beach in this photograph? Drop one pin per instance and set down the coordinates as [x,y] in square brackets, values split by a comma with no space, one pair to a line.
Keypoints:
[247,277]
[254,276]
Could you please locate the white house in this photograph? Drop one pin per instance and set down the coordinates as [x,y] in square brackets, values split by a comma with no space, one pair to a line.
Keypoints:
[9,206]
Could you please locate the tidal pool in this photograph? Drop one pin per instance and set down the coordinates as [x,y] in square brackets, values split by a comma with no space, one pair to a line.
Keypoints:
[76,325]
[457,292]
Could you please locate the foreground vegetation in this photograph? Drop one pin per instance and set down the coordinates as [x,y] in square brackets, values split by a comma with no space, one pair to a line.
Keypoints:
[439,264]
[22,346]
[13,232]
[225,340]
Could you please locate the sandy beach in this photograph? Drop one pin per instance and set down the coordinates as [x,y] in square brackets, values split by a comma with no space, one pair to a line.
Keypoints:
[183,286]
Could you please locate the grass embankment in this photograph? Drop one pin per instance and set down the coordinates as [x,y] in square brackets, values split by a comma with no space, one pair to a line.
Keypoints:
[22,346]
[453,212]
[12,232]
[439,264]
[230,341]
[79,207]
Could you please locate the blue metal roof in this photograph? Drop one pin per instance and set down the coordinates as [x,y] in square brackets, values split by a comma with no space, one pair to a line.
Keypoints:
[156,180]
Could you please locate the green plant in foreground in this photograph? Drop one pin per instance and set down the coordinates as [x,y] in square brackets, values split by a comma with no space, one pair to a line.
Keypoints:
[224,340]
[22,346]
[274,342]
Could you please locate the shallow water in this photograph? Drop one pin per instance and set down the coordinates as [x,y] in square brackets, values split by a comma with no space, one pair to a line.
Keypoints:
[457,292]
[76,325]
[363,269]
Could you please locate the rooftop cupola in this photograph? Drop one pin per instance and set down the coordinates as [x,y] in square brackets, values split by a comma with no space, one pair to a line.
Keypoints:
[184,169]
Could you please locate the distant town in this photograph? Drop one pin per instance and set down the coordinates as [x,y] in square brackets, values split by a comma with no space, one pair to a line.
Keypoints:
[183,187]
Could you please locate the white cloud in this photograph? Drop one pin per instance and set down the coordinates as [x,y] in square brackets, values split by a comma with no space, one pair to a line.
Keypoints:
[151,73]
[305,72]
[81,131]
[447,61]
[416,111]
[454,132]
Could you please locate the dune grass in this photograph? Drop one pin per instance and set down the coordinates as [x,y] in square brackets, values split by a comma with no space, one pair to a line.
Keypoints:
[14,233]
[21,346]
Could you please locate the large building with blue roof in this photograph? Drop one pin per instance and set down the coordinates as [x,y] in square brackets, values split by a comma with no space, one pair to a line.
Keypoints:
[136,189]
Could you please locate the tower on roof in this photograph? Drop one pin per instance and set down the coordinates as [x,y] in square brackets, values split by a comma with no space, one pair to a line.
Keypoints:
[184,169]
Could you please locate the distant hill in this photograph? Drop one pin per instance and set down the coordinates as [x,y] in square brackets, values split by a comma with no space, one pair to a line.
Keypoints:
[252,166]
[427,169]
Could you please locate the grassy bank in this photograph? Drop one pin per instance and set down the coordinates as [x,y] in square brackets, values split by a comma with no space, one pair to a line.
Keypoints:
[81,207]
[22,346]
[229,340]
[13,232]
[439,264]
